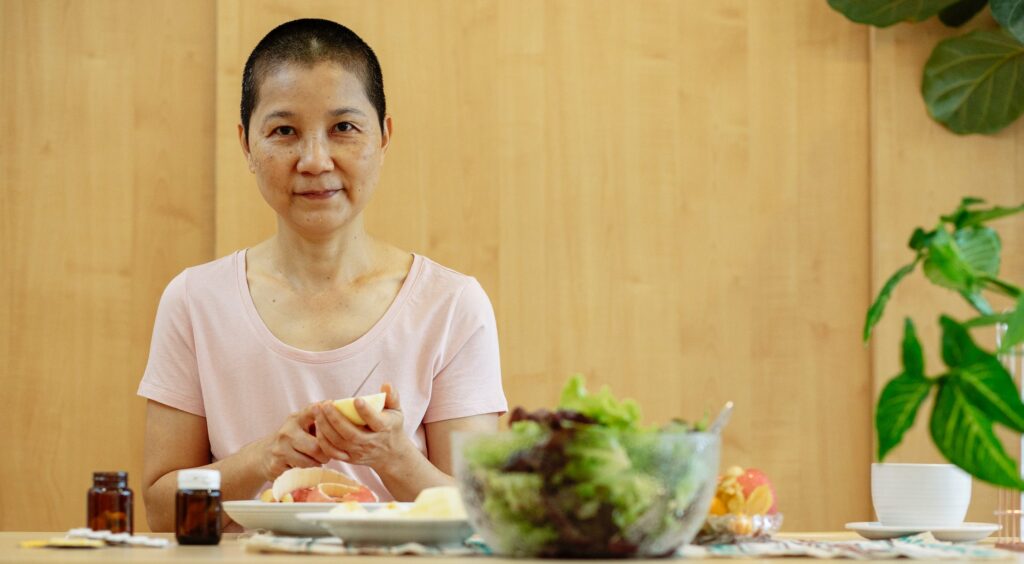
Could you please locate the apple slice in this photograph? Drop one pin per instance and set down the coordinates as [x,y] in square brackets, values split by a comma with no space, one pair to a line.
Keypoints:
[348,409]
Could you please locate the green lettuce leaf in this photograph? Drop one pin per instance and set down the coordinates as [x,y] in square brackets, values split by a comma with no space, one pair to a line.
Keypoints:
[601,407]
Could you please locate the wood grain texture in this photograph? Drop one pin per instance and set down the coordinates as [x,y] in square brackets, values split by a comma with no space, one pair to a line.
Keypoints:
[670,197]
[687,201]
[107,190]
[920,171]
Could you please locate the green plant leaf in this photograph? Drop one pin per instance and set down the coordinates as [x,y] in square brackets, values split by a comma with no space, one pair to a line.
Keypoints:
[1014,328]
[978,302]
[883,13]
[902,396]
[985,320]
[1010,14]
[992,390]
[1000,286]
[957,346]
[913,358]
[945,266]
[975,83]
[981,216]
[878,307]
[958,14]
[920,239]
[980,248]
[963,216]
[961,211]
[981,376]
[897,409]
[964,436]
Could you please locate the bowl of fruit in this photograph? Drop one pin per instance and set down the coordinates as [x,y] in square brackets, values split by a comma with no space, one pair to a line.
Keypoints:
[587,480]
[744,507]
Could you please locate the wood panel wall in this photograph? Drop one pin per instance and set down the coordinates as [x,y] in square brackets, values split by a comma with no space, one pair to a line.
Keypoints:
[106,192]
[688,201]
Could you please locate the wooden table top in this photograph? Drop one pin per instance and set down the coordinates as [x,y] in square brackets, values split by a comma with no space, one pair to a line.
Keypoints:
[231,551]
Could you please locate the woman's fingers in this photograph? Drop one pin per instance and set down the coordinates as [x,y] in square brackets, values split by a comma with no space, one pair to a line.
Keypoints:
[307,414]
[374,421]
[330,441]
[336,434]
[305,444]
[297,459]
[382,421]
[332,451]
[289,456]
[345,429]
[391,399]
[310,448]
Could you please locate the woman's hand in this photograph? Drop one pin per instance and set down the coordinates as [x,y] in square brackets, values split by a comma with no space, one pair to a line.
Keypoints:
[380,444]
[292,446]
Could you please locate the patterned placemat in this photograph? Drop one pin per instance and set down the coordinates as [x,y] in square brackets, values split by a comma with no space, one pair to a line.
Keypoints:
[268,543]
[919,547]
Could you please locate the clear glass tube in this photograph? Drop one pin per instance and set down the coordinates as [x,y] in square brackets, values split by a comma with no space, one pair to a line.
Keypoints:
[1008,511]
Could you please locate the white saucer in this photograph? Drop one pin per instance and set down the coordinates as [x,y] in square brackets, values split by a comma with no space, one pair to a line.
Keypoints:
[965,532]
[385,527]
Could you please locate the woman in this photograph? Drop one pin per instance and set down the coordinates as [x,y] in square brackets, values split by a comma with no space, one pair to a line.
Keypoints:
[248,350]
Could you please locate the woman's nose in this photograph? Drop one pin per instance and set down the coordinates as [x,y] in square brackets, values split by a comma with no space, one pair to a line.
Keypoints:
[315,157]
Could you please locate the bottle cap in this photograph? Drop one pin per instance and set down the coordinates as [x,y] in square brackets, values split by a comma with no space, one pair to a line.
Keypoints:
[199,479]
[117,479]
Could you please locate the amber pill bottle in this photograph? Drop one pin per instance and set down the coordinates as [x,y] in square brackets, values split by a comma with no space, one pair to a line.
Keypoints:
[110,503]
[197,507]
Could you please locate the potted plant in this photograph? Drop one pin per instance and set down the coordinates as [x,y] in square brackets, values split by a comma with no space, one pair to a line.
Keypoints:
[974,391]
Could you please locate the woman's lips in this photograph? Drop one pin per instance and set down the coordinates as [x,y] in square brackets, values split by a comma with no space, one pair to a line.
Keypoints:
[321,195]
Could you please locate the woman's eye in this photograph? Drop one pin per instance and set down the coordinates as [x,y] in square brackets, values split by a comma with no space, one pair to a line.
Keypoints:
[344,127]
[284,130]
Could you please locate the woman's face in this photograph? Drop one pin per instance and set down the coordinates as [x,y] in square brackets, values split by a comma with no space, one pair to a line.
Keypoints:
[315,145]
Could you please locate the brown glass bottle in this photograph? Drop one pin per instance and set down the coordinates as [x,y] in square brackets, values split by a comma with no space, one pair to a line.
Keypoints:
[110,503]
[197,507]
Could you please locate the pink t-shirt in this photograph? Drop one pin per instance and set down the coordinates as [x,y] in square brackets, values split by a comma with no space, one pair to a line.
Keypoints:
[213,356]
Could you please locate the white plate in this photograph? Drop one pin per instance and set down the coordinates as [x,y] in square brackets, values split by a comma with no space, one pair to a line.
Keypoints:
[390,528]
[965,532]
[280,517]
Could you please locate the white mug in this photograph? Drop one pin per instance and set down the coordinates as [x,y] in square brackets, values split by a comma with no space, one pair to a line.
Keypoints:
[920,495]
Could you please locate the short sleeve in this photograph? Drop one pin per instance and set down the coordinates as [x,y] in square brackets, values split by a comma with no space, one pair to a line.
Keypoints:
[469,382]
[172,372]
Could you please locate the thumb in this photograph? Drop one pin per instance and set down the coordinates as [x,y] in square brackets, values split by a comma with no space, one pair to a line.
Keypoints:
[391,400]
[306,417]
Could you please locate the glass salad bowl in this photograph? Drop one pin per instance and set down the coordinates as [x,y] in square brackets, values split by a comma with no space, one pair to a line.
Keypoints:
[557,485]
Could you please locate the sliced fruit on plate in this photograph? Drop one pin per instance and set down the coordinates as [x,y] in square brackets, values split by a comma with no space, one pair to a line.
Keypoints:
[317,485]
[438,503]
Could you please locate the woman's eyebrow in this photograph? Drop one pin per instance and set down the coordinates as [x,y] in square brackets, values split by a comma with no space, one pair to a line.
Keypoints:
[278,114]
[347,110]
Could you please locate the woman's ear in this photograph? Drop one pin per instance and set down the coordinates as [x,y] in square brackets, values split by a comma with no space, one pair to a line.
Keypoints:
[244,142]
[385,135]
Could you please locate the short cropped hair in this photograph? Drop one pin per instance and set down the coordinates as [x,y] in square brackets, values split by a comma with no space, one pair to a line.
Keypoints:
[310,41]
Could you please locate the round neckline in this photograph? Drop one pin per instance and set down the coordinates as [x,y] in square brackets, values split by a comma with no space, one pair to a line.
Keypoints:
[334,355]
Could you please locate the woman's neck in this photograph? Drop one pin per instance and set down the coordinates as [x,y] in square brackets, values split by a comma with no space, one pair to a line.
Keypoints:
[311,261]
